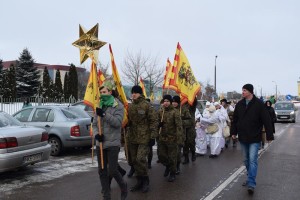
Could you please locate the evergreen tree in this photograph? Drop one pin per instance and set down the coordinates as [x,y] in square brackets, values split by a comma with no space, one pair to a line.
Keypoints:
[73,78]
[27,75]
[9,83]
[58,91]
[46,87]
[66,86]
[1,77]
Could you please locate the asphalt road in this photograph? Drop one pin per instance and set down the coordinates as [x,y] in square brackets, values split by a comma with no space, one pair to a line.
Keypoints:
[73,177]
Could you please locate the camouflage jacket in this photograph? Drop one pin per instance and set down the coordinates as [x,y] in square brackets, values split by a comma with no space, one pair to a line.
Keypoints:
[172,128]
[186,119]
[142,122]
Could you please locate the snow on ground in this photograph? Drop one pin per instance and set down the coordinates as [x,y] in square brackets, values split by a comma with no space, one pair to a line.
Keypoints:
[54,168]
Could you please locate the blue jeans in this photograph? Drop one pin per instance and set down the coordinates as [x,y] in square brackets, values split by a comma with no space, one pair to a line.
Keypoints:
[250,153]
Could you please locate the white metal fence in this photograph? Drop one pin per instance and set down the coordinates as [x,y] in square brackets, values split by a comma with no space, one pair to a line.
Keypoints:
[12,105]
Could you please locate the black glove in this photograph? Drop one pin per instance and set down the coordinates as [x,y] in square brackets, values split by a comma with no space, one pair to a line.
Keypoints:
[100,112]
[151,142]
[99,138]
[161,124]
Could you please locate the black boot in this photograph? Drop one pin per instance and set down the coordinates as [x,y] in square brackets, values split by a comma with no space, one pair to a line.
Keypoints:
[167,171]
[193,156]
[171,177]
[186,159]
[145,187]
[138,184]
[178,169]
[131,172]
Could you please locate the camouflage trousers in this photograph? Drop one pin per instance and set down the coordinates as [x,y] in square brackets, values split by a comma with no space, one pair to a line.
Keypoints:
[138,154]
[189,143]
[168,155]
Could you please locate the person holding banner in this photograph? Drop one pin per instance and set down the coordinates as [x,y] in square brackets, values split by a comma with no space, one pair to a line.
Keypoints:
[111,112]
[142,131]
[170,137]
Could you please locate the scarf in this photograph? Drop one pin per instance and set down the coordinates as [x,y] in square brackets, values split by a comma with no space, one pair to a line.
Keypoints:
[106,101]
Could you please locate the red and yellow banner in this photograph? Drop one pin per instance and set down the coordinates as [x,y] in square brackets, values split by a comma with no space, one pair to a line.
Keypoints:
[143,87]
[101,77]
[91,96]
[184,80]
[119,86]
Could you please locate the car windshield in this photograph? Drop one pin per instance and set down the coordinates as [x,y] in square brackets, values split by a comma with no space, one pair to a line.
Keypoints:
[7,120]
[284,106]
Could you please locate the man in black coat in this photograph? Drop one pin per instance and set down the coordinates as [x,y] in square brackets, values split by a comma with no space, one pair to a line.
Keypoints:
[249,117]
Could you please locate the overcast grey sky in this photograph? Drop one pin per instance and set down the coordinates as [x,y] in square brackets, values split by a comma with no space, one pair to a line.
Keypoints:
[257,41]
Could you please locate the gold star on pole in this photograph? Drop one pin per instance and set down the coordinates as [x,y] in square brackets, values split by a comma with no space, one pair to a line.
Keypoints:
[88,43]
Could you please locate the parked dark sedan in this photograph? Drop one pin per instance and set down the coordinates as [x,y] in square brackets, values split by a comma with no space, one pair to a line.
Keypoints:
[21,145]
[67,126]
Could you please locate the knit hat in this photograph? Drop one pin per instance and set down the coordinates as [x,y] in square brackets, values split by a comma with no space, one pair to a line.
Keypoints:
[136,89]
[248,87]
[176,99]
[168,97]
[225,100]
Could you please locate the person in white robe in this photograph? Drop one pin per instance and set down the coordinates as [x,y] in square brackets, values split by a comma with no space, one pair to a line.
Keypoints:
[215,142]
[206,114]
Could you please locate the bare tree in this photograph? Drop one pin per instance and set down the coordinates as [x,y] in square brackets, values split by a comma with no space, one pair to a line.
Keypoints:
[154,74]
[137,65]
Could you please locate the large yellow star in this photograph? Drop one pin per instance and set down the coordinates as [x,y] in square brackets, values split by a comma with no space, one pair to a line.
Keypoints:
[88,43]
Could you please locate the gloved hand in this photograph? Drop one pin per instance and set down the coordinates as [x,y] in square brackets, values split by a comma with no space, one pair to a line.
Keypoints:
[161,124]
[151,142]
[99,138]
[100,112]
[198,119]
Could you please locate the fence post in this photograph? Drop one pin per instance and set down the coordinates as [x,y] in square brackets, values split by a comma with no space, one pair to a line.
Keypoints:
[1,101]
[39,100]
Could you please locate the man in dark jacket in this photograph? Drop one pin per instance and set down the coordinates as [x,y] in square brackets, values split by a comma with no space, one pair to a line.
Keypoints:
[249,117]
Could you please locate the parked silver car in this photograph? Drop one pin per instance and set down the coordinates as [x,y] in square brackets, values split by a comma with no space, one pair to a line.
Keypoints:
[67,126]
[285,111]
[21,145]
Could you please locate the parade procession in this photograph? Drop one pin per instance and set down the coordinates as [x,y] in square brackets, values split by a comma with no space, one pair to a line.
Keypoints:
[149,100]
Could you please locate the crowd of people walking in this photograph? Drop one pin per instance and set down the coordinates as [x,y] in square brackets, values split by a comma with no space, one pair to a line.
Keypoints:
[180,131]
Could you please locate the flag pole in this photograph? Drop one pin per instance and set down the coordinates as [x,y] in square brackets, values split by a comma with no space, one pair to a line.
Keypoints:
[92,135]
[101,145]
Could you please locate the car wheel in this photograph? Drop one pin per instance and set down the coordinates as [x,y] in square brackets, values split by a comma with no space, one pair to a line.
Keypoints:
[56,146]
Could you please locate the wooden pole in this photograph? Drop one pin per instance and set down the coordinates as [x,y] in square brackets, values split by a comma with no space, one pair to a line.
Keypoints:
[101,145]
[92,135]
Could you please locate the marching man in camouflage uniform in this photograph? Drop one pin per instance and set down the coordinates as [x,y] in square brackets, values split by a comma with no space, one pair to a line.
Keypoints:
[190,144]
[170,135]
[142,127]
[187,122]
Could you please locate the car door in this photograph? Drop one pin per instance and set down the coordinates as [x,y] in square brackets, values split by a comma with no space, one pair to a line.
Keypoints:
[43,118]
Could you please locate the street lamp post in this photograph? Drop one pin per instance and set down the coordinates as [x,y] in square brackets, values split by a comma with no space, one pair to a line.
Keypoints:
[216,74]
[275,89]
[260,90]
